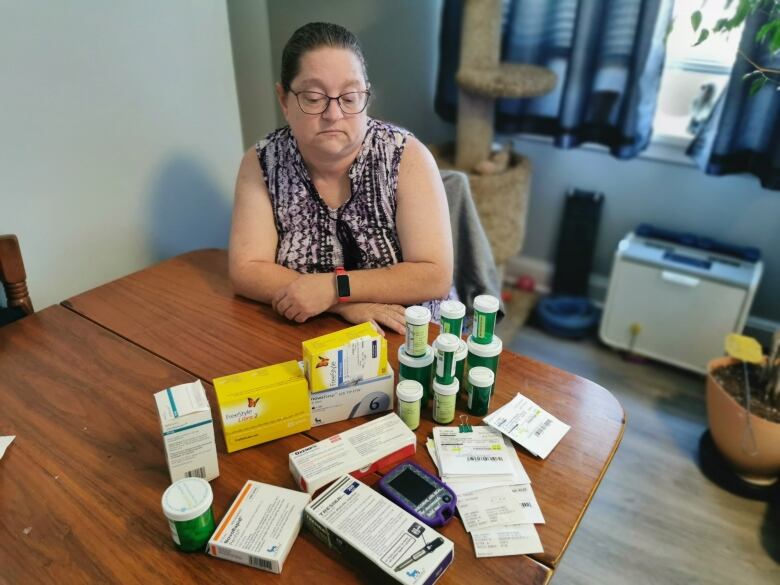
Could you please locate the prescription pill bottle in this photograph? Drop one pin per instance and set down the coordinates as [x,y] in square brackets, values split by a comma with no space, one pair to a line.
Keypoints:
[485,355]
[417,319]
[460,361]
[485,309]
[445,346]
[187,506]
[444,397]
[480,387]
[409,394]
[419,369]
[451,315]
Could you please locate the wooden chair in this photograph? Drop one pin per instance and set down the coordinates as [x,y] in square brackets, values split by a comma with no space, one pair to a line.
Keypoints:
[13,276]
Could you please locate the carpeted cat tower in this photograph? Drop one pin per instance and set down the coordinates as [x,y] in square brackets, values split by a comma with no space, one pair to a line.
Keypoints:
[499,180]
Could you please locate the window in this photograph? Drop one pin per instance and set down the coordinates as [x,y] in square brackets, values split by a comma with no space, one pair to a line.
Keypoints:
[694,76]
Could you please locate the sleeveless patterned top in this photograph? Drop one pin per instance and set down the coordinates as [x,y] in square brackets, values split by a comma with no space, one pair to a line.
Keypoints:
[306,226]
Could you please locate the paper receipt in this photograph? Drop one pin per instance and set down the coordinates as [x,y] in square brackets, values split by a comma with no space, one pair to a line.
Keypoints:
[529,425]
[521,539]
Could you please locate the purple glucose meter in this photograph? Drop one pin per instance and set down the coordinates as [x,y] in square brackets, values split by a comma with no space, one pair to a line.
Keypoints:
[419,493]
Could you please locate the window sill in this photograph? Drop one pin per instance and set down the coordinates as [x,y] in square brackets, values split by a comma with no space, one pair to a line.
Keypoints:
[662,148]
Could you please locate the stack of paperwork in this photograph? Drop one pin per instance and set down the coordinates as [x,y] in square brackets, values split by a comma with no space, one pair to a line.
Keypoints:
[495,499]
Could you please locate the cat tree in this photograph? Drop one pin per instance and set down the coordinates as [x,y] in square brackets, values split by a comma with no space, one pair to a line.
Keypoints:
[499,180]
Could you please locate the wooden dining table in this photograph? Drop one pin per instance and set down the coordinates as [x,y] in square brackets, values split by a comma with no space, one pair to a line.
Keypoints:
[80,487]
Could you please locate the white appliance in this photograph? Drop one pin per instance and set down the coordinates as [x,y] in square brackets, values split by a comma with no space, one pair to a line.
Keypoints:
[675,303]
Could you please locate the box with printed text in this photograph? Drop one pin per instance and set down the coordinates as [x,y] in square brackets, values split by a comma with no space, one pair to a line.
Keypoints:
[376,445]
[263,404]
[188,431]
[370,396]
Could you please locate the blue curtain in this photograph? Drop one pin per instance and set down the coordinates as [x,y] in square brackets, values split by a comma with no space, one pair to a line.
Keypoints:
[608,56]
[742,135]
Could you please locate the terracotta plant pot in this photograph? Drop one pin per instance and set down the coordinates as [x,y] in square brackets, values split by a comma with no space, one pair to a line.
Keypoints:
[727,423]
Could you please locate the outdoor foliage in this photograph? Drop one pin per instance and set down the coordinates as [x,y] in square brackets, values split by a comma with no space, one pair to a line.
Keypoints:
[735,14]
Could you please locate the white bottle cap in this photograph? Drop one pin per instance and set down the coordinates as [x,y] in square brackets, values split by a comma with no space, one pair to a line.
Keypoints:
[481,377]
[409,390]
[452,309]
[417,315]
[415,362]
[187,499]
[447,342]
[486,350]
[446,389]
[486,304]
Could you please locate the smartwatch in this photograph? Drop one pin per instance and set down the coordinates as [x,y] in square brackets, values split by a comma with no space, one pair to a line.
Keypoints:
[342,284]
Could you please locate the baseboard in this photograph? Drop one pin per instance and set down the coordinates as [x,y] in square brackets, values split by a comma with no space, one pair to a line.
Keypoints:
[542,272]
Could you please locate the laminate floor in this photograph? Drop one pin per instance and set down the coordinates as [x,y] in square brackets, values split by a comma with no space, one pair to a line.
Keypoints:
[656,518]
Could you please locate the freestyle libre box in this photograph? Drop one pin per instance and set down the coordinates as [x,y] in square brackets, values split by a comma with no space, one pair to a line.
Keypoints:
[378,535]
[370,396]
[263,404]
[260,526]
[374,446]
[344,357]
[188,431]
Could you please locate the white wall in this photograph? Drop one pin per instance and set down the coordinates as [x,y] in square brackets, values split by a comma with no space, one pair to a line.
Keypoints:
[120,135]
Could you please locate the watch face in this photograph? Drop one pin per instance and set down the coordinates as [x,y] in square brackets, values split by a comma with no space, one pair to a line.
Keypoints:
[342,282]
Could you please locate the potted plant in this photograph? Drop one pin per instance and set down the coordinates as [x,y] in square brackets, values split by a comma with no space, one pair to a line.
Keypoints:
[743,408]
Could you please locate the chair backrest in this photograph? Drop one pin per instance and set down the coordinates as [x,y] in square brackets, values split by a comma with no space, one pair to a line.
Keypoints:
[12,274]
[475,270]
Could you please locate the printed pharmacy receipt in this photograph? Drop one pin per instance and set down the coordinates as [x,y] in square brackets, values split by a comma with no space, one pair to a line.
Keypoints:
[529,425]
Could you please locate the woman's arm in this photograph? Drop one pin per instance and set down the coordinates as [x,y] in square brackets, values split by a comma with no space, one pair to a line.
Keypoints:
[253,238]
[423,224]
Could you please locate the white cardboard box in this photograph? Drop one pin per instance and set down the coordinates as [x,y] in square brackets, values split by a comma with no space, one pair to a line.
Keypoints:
[370,396]
[380,536]
[260,526]
[188,431]
[374,446]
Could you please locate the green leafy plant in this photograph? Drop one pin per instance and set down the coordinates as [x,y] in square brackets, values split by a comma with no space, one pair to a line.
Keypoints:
[737,11]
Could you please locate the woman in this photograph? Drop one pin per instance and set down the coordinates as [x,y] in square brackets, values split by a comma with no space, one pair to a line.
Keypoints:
[337,200]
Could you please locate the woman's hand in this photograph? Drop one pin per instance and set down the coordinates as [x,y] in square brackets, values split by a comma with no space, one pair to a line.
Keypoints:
[306,296]
[379,314]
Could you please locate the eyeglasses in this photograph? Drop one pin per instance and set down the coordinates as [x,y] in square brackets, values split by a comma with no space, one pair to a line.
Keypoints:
[354,257]
[315,102]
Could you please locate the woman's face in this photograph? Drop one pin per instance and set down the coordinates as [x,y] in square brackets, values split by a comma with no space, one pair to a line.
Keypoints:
[333,72]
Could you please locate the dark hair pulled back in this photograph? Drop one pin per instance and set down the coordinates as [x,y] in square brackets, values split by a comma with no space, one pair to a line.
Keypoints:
[313,36]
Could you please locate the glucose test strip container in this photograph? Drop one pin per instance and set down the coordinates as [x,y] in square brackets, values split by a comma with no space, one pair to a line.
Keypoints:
[417,320]
[409,394]
[419,369]
[485,310]
[187,506]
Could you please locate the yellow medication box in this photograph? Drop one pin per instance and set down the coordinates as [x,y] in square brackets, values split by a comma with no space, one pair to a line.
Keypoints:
[262,405]
[344,357]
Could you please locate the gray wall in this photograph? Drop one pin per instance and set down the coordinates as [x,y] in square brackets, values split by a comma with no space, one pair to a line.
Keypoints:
[251,41]
[120,135]
[733,208]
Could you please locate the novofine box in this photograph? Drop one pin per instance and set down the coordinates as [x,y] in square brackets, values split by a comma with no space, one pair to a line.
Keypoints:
[188,431]
[353,400]
[378,535]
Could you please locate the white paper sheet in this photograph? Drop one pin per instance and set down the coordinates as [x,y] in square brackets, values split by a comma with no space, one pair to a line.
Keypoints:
[496,506]
[479,452]
[4,442]
[521,539]
[525,496]
[529,425]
